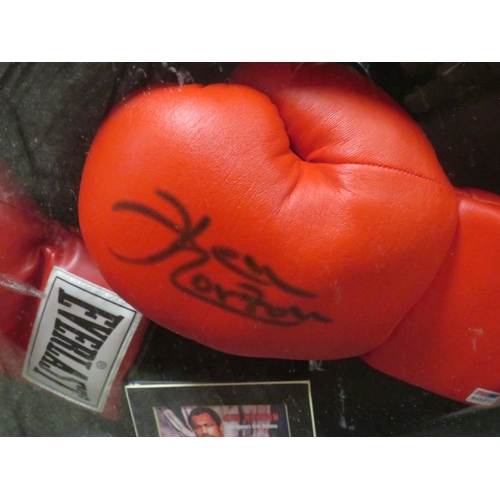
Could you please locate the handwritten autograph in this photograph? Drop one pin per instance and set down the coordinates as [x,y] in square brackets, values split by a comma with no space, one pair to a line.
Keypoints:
[247,299]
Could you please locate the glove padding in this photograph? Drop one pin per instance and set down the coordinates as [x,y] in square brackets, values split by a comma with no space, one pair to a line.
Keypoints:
[295,213]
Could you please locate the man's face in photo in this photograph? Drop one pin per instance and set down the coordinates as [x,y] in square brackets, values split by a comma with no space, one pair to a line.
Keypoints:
[205,426]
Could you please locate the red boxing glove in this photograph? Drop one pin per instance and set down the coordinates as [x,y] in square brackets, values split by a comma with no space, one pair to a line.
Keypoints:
[450,341]
[295,213]
[61,327]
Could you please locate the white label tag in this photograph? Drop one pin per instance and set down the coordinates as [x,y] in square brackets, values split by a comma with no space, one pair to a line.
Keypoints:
[80,336]
[483,397]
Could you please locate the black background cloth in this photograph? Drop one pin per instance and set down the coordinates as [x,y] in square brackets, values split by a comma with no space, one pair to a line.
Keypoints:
[50,113]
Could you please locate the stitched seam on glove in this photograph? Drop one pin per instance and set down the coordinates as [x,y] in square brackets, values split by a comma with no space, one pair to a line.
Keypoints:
[418,176]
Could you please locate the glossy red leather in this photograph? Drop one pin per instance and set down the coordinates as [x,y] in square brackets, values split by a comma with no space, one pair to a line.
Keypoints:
[297,212]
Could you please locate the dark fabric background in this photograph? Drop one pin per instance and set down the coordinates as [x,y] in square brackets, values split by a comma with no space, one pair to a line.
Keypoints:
[50,112]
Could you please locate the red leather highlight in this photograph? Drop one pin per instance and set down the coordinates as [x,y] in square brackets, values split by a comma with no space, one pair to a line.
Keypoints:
[296,213]
[449,343]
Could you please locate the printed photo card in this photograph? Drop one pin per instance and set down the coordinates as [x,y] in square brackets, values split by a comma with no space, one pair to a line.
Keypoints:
[263,409]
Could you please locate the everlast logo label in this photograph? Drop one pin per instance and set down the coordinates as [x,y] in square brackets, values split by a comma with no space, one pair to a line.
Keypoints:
[75,343]
[79,339]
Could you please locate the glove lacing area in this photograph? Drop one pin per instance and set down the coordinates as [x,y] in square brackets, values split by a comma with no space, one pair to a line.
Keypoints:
[8,282]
